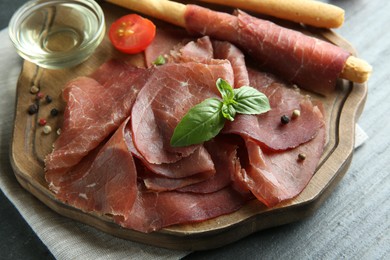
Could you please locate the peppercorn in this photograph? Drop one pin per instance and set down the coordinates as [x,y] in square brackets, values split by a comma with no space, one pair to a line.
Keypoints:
[301,156]
[34,89]
[54,112]
[285,120]
[48,99]
[42,122]
[39,96]
[296,113]
[32,109]
[47,129]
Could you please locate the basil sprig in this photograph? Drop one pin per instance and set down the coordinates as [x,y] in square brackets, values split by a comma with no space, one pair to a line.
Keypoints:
[206,119]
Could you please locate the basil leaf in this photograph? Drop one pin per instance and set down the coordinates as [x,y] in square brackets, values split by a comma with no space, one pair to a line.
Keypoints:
[205,120]
[228,111]
[226,90]
[250,101]
[201,123]
[160,60]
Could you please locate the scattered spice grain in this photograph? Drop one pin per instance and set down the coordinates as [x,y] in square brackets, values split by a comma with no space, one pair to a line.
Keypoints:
[301,156]
[34,89]
[42,122]
[47,129]
[296,113]
[54,112]
[285,119]
[32,109]
[48,99]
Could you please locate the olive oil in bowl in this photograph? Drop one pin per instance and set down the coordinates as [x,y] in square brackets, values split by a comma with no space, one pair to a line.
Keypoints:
[58,33]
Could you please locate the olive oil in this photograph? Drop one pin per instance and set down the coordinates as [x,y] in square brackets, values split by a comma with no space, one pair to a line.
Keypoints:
[58,33]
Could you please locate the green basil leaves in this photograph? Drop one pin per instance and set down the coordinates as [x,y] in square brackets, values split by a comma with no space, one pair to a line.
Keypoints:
[250,101]
[205,120]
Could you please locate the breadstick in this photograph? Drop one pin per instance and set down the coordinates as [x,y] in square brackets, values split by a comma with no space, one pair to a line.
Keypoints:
[168,11]
[355,69]
[309,12]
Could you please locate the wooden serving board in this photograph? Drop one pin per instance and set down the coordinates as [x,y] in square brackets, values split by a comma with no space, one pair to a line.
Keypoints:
[30,145]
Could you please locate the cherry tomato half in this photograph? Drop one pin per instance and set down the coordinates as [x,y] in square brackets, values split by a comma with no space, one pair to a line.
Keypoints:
[132,33]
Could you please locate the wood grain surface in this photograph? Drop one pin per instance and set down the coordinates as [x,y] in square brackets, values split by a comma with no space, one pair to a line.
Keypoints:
[30,145]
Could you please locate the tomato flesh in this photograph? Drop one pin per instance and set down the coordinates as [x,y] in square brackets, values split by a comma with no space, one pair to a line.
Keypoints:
[132,33]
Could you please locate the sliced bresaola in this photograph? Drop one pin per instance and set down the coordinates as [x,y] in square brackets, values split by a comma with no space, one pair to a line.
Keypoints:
[224,155]
[157,183]
[197,162]
[122,73]
[200,50]
[226,162]
[277,176]
[204,49]
[171,90]
[165,41]
[155,210]
[105,181]
[307,61]
[194,168]
[226,50]
[267,128]
[87,119]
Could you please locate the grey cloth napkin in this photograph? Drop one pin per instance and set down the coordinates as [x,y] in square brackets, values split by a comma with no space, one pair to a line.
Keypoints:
[65,238]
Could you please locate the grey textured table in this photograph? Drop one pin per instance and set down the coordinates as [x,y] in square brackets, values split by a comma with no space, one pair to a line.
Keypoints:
[353,223]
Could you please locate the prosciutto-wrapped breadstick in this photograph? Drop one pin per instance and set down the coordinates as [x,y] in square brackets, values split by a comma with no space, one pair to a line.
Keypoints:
[306,61]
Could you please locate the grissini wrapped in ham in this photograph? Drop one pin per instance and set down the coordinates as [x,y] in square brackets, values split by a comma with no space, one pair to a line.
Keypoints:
[307,61]
[304,51]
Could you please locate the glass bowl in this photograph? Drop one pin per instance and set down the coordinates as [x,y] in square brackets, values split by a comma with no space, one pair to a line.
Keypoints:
[57,34]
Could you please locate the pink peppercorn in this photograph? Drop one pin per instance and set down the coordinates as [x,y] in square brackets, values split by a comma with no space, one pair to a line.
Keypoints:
[42,122]
[39,95]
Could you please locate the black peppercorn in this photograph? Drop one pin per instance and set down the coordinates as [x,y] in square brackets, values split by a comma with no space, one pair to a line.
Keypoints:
[32,109]
[54,112]
[285,119]
[48,99]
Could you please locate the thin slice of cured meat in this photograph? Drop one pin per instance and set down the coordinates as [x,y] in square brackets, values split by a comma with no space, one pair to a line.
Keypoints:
[226,50]
[267,128]
[155,210]
[194,168]
[203,50]
[158,183]
[87,120]
[200,50]
[224,155]
[277,176]
[117,74]
[171,90]
[105,181]
[307,61]
[164,42]
[197,162]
